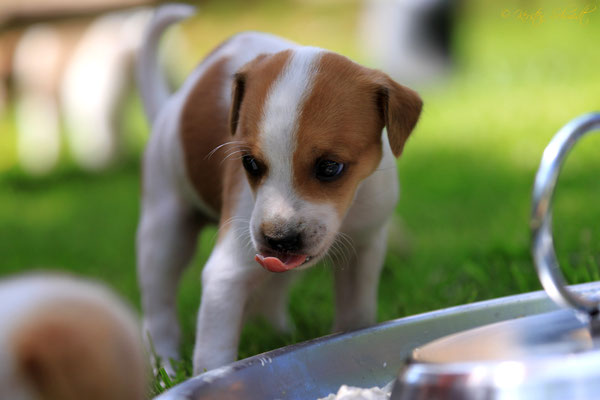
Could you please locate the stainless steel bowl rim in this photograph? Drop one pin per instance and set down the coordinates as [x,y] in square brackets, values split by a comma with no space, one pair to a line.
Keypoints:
[539,363]
[538,375]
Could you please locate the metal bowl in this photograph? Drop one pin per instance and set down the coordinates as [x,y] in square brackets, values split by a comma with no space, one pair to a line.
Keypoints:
[547,356]
[365,358]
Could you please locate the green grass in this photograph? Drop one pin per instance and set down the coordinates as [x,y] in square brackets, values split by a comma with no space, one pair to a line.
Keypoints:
[462,229]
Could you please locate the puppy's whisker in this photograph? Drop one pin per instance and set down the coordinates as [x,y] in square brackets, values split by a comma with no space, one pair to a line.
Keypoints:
[232,154]
[341,247]
[327,261]
[231,221]
[245,238]
[238,219]
[335,261]
[346,237]
[242,233]
[234,151]
[241,230]
[235,159]
[332,262]
[227,223]
[239,233]
[237,147]
[221,228]
[336,255]
[231,143]
[348,243]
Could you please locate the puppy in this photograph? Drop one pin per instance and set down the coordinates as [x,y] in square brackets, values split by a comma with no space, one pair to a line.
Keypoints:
[64,338]
[283,146]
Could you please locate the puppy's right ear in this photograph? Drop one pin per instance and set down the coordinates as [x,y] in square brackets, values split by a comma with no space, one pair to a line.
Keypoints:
[401,108]
[239,87]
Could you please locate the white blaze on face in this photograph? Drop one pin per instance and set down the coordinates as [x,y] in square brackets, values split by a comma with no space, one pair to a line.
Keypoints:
[282,109]
[276,199]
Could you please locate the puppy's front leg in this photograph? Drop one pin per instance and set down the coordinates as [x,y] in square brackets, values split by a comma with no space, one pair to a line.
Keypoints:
[357,281]
[166,241]
[228,278]
[270,301]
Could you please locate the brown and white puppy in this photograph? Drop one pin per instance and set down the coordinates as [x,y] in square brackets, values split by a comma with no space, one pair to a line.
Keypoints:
[65,338]
[283,145]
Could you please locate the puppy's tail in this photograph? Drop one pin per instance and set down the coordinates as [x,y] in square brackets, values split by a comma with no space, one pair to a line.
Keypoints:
[151,81]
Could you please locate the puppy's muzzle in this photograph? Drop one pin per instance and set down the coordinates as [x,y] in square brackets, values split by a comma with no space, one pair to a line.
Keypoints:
[288,243]
[281,250]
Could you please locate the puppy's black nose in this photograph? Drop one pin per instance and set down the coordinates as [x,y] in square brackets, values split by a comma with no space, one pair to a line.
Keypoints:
[286,243]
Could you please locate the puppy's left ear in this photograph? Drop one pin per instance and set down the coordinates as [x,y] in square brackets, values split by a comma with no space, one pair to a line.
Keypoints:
[239,87]
[400,107]
[239,90]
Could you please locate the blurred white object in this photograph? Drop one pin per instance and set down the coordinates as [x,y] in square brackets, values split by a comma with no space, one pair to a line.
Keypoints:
[82,74]
[94,84]
[355,393]
[66,338]
[409,39]
[37,66]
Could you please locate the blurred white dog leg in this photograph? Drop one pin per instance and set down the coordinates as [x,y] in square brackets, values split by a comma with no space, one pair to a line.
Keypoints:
[94,84]
[38,140]
[36,67]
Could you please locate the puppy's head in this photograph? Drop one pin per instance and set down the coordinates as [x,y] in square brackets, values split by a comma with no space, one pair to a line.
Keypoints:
[311,126]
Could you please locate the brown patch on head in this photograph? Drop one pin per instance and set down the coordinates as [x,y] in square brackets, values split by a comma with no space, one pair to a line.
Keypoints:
[342,120]
[250,91]
[206,123]
[69,351]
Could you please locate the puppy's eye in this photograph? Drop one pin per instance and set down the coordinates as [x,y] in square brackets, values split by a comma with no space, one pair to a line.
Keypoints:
[328,170]
[251,165]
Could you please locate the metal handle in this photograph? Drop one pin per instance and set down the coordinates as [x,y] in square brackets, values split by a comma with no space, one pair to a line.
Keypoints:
[544,255]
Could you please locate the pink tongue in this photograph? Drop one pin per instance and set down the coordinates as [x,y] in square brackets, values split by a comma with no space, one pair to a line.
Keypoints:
[275,264]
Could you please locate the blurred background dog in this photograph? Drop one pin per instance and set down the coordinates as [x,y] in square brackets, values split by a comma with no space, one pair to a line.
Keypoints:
[66,338]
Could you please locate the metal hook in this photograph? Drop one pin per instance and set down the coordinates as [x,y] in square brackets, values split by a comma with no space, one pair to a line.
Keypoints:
[542,243]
